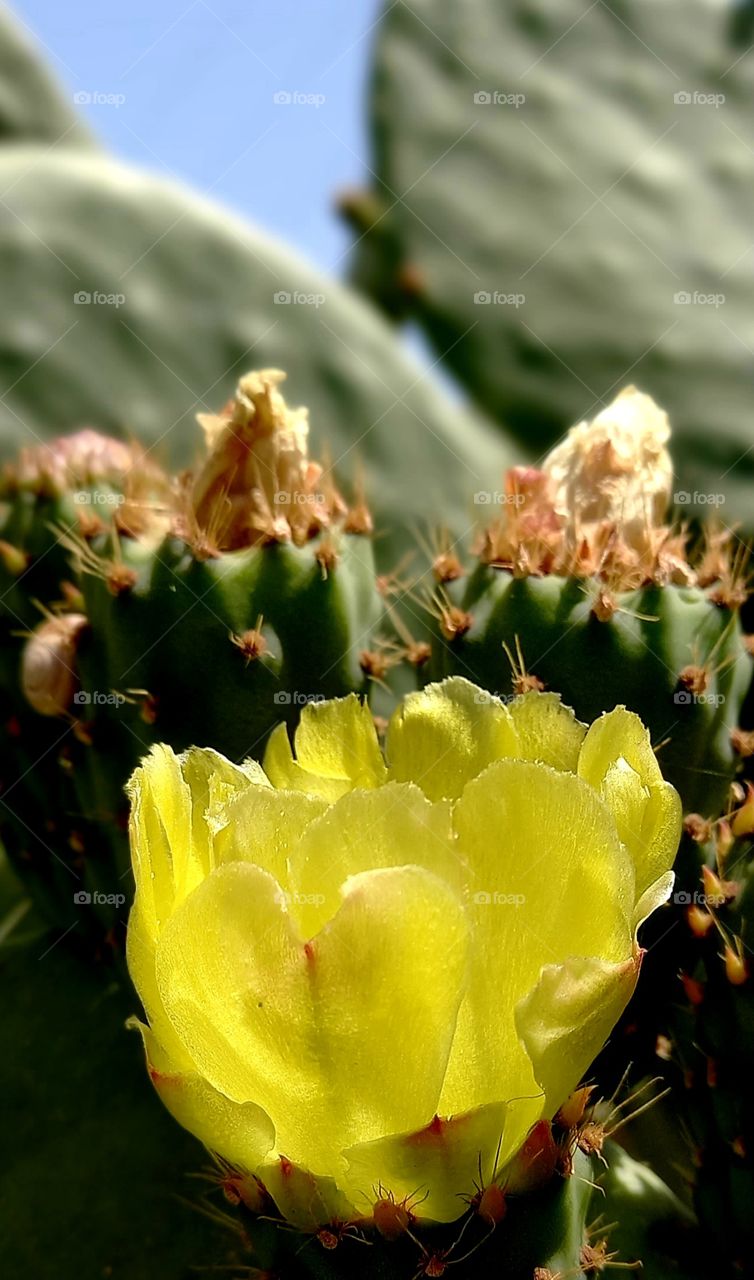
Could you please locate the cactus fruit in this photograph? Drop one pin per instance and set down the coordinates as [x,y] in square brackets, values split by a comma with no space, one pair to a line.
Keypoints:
[710,1034]
[581,586]
[200,608]
[318,945]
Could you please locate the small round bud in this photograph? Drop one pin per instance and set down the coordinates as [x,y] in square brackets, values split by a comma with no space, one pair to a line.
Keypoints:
[14,560]
[736,969]
[492,1207]
[48,668]
[391,1220]
[700,921]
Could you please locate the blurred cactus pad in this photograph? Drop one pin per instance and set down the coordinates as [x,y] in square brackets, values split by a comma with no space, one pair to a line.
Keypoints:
[563,200]
[125,252]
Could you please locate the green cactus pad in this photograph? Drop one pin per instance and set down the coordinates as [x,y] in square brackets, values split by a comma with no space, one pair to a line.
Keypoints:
[635,658]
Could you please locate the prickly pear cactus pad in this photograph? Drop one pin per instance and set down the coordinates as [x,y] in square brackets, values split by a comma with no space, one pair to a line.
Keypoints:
[145,305]
[33,107]
[581,583]
[570,201]
[199,608]
[371,981]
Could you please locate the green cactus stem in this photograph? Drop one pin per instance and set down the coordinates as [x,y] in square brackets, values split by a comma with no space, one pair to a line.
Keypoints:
[201,608]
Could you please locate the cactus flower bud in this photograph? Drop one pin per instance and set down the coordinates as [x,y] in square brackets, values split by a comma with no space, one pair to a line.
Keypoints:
[368,970]
[78,459]
[257,483]
[616,468]
[48,670]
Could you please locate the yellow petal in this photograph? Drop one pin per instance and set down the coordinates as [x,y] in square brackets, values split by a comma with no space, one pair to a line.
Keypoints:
[547,730]
[336,749]
[660,835]
[390,826]
[284,773]
[213,781]
[618,734]
[171,842]
[441,1162]
[567,1018]
[341,1039]
[549,879]
[140,954]
[617,760]
[306,1201]
[160,826]
[265,826]
[241,1132]
[445,735]
[654,896]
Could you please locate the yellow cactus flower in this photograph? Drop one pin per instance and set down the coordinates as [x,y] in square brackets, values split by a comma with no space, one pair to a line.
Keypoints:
[365,970]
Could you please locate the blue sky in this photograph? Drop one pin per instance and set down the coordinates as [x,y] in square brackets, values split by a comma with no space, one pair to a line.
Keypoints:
[199,79]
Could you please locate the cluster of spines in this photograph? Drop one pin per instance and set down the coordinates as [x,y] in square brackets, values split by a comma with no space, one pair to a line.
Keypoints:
[554,1156]
[530,539]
